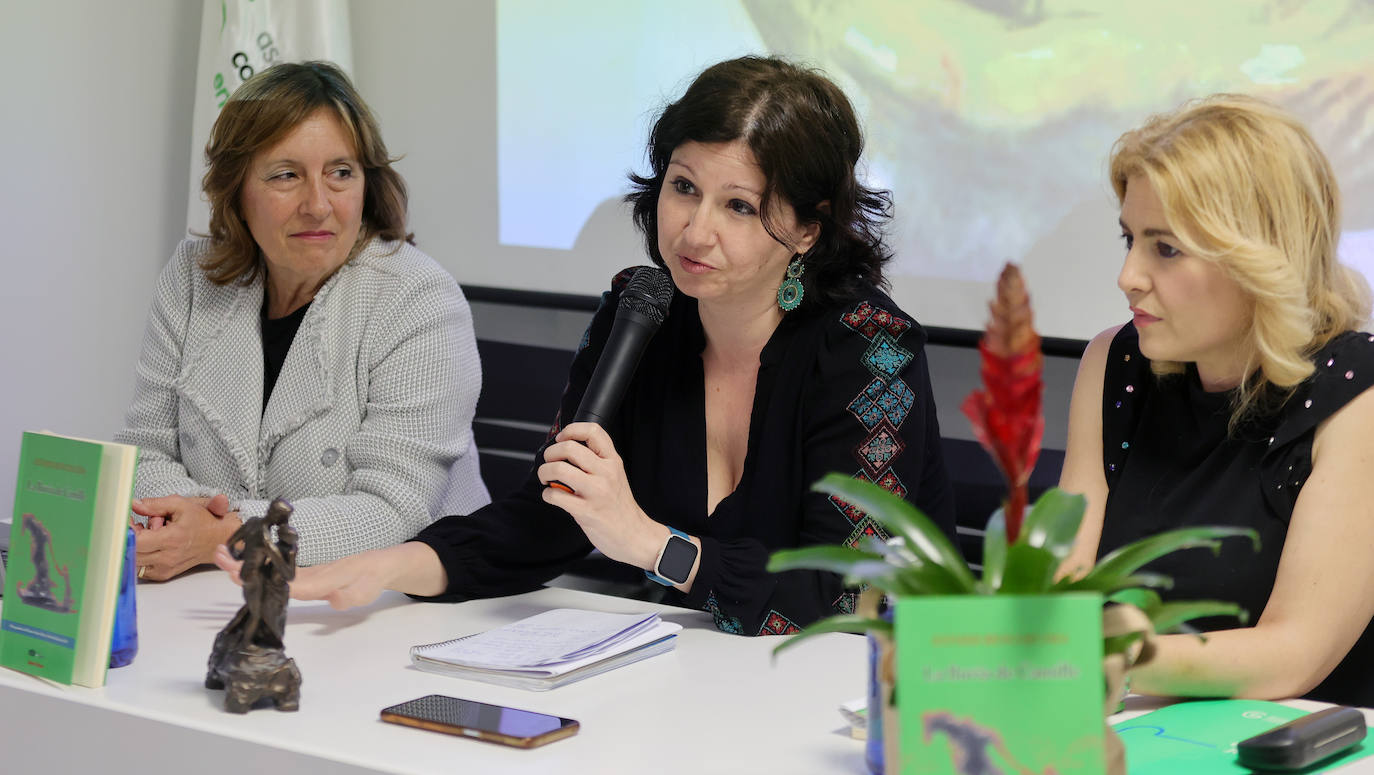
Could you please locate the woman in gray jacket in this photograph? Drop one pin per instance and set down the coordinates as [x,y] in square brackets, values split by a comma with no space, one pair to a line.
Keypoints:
[306,349]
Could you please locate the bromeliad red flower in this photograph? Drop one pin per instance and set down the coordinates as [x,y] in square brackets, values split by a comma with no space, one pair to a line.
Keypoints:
[1006,414]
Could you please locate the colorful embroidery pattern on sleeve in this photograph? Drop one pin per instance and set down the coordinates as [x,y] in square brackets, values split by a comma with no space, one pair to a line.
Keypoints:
[777,624]
[881,408]
[724,622]
[774,623]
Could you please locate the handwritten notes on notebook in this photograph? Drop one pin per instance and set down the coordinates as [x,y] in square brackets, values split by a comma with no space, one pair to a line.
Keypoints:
[551,648]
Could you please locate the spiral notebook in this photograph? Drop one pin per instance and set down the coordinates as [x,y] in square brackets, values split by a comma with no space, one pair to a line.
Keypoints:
[550,649]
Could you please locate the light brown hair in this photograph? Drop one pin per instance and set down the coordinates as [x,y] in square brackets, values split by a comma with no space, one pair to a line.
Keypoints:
[260,113]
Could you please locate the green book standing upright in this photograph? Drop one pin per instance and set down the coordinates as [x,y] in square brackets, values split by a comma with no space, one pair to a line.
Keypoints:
[71,514]
[1000,683]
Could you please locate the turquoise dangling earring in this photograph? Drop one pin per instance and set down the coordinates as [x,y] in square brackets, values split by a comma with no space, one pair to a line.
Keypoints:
[790,293]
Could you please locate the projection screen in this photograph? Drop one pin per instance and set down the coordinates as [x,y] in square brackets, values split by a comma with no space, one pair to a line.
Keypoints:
[989,120]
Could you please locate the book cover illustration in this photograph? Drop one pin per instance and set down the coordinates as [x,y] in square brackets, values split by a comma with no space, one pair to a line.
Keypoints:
[976,675]
[974,750]
[38,590]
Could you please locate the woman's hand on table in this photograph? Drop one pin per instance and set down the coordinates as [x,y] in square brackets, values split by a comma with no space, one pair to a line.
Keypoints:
[182,532]
[359,579]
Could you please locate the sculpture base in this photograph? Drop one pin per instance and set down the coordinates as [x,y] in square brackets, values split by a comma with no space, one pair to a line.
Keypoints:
[254,676]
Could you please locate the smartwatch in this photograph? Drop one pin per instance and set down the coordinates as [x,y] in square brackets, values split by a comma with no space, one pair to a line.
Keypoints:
[675,560]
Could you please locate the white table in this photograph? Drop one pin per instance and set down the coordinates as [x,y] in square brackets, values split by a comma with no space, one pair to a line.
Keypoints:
[715,704]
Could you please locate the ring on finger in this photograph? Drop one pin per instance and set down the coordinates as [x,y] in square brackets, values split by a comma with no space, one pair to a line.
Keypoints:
[142,569]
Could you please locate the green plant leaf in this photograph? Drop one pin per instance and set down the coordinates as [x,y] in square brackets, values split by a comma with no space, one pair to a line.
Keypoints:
[841,623]
[922,537]
[1146,600]
[1052,523]
[888,578]
[1110,585]
[913,576]
[1117,644]
[917,579]
[1145,579]
[1127,560]
[836,559]
[995,549]
[871,568]
[897,554]
[1170,615]
[1029,570]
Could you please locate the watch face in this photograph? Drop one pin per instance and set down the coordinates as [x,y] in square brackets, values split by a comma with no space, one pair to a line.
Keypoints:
[678,556]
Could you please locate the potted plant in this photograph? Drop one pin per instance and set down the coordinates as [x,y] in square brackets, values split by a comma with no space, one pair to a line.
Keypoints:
[947,615]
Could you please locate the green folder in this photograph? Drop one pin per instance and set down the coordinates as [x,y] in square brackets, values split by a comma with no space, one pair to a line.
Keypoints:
[1201,736]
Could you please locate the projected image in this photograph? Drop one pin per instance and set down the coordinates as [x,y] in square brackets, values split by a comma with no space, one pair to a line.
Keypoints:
[990,120]
[578,85]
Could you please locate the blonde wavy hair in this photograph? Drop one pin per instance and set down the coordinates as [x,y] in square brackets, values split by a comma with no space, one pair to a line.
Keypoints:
[1243,184]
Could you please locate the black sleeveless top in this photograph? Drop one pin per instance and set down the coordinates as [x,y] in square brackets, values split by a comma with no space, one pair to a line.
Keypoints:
[1171,462]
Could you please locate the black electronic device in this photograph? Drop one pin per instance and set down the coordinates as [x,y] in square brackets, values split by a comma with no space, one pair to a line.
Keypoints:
[643,306]
[675,560]
[493,723]
[1304,741]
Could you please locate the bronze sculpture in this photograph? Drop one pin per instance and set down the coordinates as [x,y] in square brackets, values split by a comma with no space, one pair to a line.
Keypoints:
[249,656]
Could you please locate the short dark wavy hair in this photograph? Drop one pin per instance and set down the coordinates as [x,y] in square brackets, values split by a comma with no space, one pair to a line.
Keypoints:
[261,112]
[806,140]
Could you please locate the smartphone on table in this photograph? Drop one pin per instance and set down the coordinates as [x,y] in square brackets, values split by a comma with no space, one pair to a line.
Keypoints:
[493,723]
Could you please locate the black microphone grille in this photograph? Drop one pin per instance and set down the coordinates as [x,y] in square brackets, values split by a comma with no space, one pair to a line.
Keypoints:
[649,293]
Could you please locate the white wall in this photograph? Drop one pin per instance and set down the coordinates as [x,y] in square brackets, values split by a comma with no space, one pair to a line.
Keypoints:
[427,68]
[96,99]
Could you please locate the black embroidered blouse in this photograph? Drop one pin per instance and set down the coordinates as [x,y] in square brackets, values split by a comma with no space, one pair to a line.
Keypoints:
[1170,462]
[841,390]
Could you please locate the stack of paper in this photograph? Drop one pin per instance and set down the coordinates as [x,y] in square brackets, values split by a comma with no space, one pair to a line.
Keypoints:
[855,714]
[550,649]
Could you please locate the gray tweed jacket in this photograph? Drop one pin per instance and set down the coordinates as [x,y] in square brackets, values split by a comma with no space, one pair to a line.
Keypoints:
[369,429]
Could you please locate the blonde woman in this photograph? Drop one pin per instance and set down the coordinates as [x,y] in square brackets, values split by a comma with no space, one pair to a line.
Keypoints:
[1239,395]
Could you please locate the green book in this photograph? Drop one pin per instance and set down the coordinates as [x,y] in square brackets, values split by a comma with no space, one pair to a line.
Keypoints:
[71,514]
[1000,683]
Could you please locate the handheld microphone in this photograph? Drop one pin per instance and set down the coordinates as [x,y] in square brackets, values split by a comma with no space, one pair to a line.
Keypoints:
[643,306]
